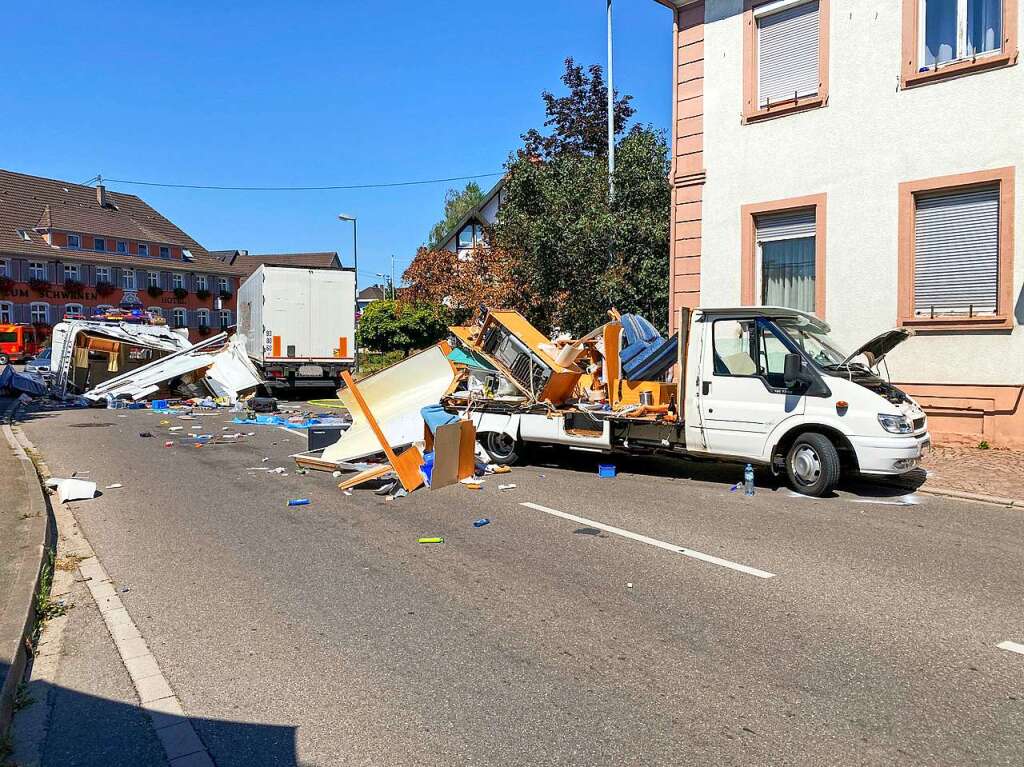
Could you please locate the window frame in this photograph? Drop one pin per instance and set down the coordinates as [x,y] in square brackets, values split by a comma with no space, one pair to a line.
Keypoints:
[7,312]
[752,112]
[1003,318]
[224,318]
[31,271]
[78,242]
[175,313]
[106,272]
[200,314]
[72,272]
[760,326]
[99,244]
[5,267]
[223,285]
[32,312]
[143,250]
[134,279]
[748,252]
[156,310]
[121,246]
[81,310]
[202,283]
[162,250]
[913,45]
[177,281]
[152,279]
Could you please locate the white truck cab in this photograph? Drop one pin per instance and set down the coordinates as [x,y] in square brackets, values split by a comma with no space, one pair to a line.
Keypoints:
[760,385]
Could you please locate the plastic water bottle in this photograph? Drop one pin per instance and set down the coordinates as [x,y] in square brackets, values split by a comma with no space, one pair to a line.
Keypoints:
[748,480]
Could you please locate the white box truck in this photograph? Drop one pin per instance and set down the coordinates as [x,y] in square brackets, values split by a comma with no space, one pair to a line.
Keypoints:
[299,324]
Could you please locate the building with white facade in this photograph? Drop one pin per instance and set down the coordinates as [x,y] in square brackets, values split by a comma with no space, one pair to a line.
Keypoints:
[469,232]
[861,159]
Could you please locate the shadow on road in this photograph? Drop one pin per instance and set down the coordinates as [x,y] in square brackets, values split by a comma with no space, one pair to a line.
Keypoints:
[88,731]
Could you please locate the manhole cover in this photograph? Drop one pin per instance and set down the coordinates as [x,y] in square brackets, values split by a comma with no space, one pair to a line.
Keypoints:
[88,425]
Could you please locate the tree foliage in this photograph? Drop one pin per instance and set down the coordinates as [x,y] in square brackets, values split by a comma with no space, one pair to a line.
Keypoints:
[579,119]
[403,326]
[456,205]
[578,253]
[489,277]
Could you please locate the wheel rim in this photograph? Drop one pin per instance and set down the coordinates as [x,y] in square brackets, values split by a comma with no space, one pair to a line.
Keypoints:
[500,444]
[806,465]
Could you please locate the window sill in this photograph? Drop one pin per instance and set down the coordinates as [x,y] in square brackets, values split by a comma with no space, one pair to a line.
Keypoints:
[784,108]
[925,324]
[959,68]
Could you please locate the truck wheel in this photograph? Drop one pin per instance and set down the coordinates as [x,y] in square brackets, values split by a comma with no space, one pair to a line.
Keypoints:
[813,465]
[4,359]
[502,448]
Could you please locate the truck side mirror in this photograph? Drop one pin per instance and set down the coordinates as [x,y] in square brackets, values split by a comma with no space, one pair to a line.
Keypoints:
[793,369]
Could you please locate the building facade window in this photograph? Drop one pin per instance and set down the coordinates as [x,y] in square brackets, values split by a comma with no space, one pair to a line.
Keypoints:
[103,274]
[72,272]
[165,252]
[225,318]
[74,241]
[99,244]
[156,311]
[37,270]
[143,249]
[203,318]
[5,267]
[783,254]
[786,47]
[949,37]
[178,281]
[73,311]
[39,312]
[23,234]
[6,312]
[153,279]
[222,285]
[128,279]
[201,282]
[180,317]
[956,251]
[122,246]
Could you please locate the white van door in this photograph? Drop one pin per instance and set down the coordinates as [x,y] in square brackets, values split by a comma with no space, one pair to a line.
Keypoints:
[742,391]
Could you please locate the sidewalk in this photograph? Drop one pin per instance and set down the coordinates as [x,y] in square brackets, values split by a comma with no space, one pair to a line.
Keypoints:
[23,530]
[967,469]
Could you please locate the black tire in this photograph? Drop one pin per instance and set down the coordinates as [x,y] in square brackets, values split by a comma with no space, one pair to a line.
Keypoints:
[502,448]
[4,359]
[812,465]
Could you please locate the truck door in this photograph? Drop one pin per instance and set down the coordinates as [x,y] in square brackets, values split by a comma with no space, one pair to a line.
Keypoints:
[742,392]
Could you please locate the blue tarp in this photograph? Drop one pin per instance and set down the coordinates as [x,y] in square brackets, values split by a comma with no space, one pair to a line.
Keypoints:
[435,415]
[16,383]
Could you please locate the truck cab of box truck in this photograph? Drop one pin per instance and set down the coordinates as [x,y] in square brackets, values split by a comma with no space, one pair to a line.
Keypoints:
[20,342]
[770,386]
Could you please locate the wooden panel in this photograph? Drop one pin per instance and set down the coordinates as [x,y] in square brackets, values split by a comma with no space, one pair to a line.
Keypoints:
[467,450]
[446,456]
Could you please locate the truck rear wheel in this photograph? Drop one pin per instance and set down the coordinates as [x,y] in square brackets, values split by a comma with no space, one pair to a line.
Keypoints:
[4,359]
[502,448]
[812,465]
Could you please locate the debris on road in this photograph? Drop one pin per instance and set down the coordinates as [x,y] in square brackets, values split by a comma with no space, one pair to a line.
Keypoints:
[506,487]
[481,522]
[299,502]
[430,540]
[606,470]
[114,486]
[72,489]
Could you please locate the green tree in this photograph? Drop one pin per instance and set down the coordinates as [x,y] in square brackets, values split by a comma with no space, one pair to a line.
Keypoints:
[387,326]
[580,254]
[456,205]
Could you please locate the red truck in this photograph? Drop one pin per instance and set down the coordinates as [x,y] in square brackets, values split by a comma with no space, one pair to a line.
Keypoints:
[20,342]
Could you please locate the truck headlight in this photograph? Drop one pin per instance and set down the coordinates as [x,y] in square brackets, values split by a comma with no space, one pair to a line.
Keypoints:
[896,424]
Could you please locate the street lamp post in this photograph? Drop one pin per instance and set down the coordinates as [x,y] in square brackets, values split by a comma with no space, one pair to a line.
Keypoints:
[611,112]
[355,275]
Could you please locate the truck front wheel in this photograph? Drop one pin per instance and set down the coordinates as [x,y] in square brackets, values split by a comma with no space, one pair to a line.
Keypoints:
[812,465]
[502,448]
[4,359]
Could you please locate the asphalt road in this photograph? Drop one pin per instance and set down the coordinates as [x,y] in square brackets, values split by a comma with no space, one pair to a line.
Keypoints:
[326,635]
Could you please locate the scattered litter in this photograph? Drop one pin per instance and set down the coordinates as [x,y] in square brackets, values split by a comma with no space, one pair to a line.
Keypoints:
[347,492]
[113,486]
[629,585]
[481,522]
[125,589]
[77,474]
[176,428]
[337,474]
[905,500]
[299,502]
[145,434]
[505,487]
[165,422]
[168,444]
[736,487]
[279,470]
[265,460]
[606,470]
[302,471]
[386,488]
[430,540]
[500,469]
[472,485]
[473,481]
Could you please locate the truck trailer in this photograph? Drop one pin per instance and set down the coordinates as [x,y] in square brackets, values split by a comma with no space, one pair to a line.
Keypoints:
[761,385]
[299,324]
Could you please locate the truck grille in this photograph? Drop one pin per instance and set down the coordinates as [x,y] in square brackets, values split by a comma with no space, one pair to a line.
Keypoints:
[919,423]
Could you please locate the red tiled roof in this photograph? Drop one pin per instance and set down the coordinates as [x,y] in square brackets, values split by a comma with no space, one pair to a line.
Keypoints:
[28,202]
[252,261]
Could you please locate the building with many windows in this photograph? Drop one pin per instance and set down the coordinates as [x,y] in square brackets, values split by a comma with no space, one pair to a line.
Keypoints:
[861,159]
[67,249]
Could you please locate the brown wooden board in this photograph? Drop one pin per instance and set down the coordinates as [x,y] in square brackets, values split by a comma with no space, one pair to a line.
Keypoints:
[467,450]
[446,455]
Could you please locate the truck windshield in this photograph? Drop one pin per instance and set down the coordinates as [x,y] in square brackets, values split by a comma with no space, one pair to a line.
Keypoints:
[813,339]
[9,337]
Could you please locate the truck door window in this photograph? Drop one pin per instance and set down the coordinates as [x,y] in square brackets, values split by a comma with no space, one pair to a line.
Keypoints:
[734,347]
[771,363]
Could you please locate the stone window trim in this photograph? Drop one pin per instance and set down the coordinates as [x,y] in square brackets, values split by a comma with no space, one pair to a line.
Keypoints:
[748,249]
[1003,318]
[910,76]
[751,111]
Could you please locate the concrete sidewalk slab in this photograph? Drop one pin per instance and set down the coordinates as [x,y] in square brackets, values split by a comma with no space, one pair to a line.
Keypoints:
[24,539]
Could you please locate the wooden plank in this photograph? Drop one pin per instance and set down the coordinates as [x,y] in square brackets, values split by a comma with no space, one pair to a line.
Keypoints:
[467,450]
[366,475]
[446,456]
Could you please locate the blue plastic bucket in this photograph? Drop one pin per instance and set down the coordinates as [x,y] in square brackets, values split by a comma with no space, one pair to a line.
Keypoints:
[606,470]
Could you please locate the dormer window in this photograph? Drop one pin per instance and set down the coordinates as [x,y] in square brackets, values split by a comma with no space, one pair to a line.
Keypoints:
[143,249]
[122,246]
[186,254]
[99,244]
[23,234]
[74,241]
[165,252]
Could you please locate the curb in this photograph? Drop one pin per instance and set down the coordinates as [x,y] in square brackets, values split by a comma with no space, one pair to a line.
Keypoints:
[946,492]
[37,537]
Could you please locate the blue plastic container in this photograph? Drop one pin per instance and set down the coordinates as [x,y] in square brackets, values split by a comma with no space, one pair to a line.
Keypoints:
[606,470]
[159,404]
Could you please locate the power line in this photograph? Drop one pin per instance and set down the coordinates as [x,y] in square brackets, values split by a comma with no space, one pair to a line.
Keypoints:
[334,187]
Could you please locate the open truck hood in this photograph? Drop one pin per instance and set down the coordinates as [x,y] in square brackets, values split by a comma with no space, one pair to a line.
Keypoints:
[876,349]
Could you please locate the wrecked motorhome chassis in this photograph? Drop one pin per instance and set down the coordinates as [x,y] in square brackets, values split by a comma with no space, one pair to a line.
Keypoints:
[764,386]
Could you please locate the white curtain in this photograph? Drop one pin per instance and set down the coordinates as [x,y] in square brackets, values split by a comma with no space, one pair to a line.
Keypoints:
[787,273]
[984,26]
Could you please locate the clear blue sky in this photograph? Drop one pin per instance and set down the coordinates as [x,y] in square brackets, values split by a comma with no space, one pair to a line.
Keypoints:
[303,93]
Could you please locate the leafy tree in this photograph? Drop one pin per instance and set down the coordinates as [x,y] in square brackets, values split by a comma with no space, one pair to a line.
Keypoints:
[390,325]
[456,205]
[580,119]
[488,277]
[578,253]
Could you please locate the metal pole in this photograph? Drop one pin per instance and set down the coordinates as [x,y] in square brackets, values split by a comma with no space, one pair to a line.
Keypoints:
[355,278]
[611,112]
[392,276]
